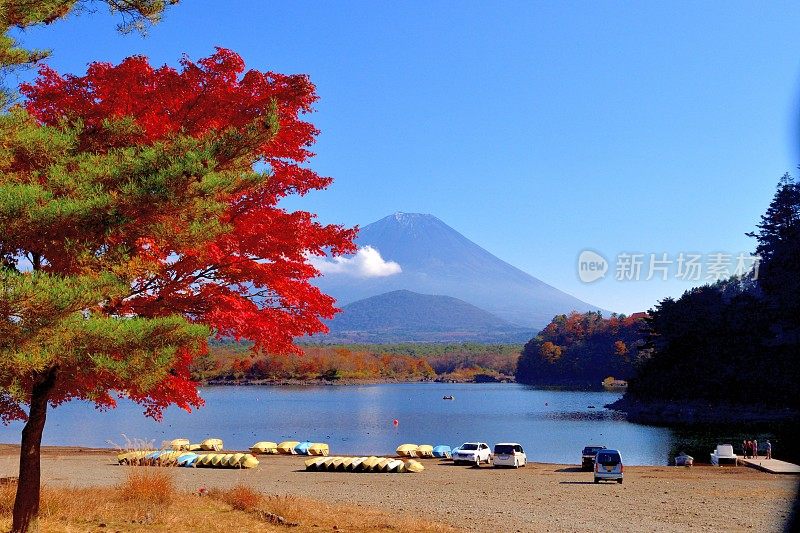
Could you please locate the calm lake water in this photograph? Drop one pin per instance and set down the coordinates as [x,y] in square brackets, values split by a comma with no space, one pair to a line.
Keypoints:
[552,426]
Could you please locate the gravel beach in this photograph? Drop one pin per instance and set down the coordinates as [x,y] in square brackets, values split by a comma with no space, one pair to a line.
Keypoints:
[539,497]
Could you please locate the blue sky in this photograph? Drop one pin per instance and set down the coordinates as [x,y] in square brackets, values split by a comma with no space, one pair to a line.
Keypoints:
[537,130]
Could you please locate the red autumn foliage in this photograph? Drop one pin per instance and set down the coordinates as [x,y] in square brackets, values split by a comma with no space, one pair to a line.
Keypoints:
[246,277]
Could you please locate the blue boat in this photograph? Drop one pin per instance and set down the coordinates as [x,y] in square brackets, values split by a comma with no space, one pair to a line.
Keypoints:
[442,451]
[187,459]
[302,448]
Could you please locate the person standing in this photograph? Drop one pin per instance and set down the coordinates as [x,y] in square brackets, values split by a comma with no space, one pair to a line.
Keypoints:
[744,449]
[755,449]
[769,449]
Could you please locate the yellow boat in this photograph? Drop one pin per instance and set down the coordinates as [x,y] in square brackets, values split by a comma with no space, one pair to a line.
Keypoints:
[313,462]
[319,448]
[206,459]
[287,446]
[264,447]
[327,464]
[224,461]
[236,460]
[369,464]
[425,450]
[414,466]
[355,463]
[381,466]
[194,447]
[407,450]
[248,461]
[214,445]
[337,464]
[179,444]
[168,458]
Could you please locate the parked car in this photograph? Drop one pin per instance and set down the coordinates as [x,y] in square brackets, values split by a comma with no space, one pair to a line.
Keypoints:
[608,465]
[473,452]
[509,454]
[588,455]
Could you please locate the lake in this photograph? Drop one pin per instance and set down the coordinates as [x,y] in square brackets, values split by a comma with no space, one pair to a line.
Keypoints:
[552,425]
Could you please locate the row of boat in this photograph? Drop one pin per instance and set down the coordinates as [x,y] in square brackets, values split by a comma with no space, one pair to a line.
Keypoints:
[424,451]
[187,459]
[291,447]
[362,464]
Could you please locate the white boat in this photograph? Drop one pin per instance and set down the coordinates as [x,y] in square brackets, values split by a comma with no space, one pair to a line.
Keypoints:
[723,455]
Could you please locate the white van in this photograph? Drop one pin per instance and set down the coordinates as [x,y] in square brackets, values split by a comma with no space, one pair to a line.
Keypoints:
[608,465]
[509,454]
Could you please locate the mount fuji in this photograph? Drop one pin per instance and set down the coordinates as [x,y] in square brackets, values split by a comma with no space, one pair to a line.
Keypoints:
[426,256]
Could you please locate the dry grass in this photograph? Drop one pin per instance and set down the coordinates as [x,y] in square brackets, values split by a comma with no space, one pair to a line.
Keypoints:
[240,497]
[148,501]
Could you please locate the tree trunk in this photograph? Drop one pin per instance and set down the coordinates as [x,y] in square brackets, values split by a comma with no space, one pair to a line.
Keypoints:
[26,504]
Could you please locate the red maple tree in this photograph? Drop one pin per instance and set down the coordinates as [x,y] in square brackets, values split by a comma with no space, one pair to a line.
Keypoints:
[147,201]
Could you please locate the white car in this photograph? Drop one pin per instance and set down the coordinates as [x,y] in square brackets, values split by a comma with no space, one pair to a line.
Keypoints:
[509,454]
[473,452]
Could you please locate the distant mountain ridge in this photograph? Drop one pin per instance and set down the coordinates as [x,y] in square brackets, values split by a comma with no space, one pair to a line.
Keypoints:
[436,259]
[405,316]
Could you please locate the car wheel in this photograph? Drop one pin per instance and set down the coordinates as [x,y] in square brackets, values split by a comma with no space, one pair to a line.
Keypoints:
[619,481]
[596,480]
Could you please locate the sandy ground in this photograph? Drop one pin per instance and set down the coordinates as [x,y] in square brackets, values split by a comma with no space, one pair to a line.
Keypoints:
[539,497]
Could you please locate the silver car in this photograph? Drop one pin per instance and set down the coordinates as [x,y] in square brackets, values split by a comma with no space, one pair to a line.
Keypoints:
[608,465]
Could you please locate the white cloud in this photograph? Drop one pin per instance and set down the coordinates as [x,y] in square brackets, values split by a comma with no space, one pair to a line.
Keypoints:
[366,263]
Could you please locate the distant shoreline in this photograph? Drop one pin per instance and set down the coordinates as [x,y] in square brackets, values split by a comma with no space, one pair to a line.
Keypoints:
[322,382]
[669,413]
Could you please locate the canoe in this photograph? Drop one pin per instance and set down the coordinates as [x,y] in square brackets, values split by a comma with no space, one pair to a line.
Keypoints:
[326,464]
[355,464]
[179,444]
[393,465]
[236,460]
[211,445]
[338,464]
[194,447]
[227,461]
[368,463]
[186,459]
[407,450]
[318,448]
[442,451]
[302,448]
[382,464]
[218,459]
[264,446]
[287,446]
[168,458]
[414,466]
[133,457]
[312,464]
[204,460]
[248,461]
[425,450]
